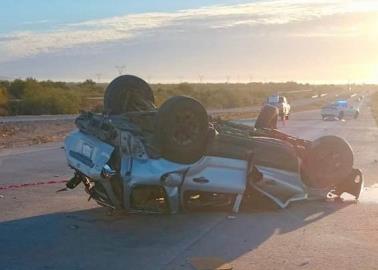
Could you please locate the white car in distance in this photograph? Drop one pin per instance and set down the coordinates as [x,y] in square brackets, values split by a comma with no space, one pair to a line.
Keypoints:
[281,103]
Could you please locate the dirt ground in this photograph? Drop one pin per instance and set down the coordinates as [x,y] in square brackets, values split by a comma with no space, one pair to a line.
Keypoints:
[22,134]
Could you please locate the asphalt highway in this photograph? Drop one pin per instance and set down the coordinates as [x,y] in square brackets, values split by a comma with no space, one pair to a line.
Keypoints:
[36,163]
[40,229]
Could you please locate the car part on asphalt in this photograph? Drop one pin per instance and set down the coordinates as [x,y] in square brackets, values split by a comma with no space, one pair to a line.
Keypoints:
[177,159]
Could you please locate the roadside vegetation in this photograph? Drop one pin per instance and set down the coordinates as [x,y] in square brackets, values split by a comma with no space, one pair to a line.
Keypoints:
[32,97]
[224,95]
[24,97]
[3,101]
[374,105]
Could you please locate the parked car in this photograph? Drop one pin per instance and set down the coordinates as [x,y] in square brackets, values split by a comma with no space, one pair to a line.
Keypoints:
[139,158]
[340,110]
[281,103]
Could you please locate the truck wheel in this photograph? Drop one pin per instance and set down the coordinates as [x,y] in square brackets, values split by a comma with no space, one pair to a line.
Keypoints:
[328,161]
[341,115]
[356,114]
[287,117]
[128,93]
[267,118]
[182,129]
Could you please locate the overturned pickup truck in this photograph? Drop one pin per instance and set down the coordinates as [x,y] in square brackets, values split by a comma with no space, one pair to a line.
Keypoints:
[140,158]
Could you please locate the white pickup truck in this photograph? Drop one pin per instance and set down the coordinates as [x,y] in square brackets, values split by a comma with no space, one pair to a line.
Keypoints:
[281,103]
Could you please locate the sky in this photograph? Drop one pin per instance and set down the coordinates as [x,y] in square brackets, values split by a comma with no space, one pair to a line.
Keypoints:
[315,41]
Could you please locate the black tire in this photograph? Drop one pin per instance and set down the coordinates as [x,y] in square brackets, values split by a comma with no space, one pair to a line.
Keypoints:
[356,114]
[328,161]
[267,117]
[287,117]
[128,93]
[182,129]
[341,115]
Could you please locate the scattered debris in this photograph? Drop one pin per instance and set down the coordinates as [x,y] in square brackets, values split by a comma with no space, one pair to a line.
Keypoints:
[1,196]
[304,263]
[116,212]
[61,190]
[74,227]
[210,263]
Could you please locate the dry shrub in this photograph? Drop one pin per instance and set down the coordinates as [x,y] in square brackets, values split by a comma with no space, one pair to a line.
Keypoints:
[374,105]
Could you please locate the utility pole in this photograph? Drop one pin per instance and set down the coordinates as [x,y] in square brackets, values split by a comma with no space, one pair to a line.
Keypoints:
[250,81]
[120,69]
[200,78]
[98,77]
[349,86]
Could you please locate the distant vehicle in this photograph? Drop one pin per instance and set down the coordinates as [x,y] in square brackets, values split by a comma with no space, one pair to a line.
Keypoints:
[340,110]
[281,103]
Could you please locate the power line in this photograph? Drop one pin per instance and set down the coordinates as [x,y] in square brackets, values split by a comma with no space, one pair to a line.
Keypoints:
[98,77]
[120,69]
[200,78]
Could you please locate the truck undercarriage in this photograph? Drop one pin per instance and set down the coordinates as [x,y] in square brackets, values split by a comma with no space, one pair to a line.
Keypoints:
[175,158]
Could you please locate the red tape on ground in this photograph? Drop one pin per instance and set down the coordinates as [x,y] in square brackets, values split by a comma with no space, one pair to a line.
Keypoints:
[48,182]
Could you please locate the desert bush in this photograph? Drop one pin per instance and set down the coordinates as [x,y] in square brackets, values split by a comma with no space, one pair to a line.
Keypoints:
[16,88]
[374,105]
[40,100]
[215,95]
[52,84]
[3,101]
[48,97]
[3,97]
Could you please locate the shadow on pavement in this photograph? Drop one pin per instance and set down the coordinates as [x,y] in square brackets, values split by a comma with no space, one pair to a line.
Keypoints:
[90,239]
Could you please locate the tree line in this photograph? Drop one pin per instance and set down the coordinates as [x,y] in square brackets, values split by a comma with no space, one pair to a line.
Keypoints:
[34,97]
